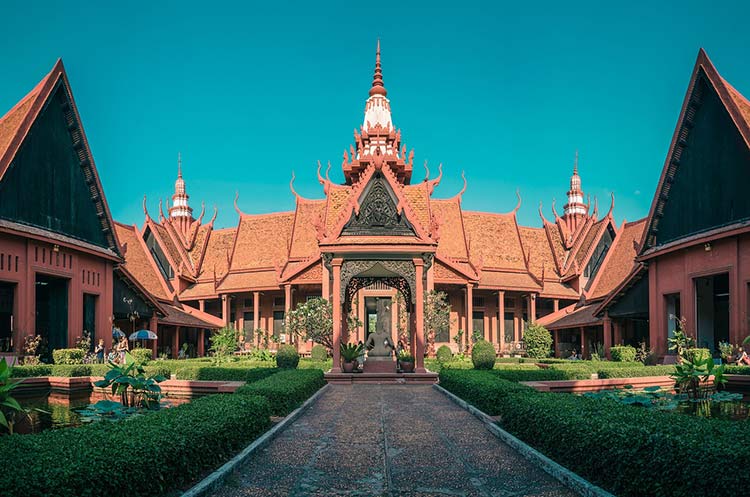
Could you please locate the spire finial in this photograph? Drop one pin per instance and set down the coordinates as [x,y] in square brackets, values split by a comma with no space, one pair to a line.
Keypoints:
[179,164]
[377,79]
[575,164]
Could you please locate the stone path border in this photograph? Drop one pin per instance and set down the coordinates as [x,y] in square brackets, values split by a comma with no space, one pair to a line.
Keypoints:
[216,478]
[565,476]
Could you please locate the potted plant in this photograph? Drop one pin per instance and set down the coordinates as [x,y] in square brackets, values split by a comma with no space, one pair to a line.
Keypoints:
[349,354]
[406,361]
[727,352]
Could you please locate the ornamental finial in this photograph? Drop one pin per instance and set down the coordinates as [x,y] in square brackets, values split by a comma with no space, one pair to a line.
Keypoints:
[377,80]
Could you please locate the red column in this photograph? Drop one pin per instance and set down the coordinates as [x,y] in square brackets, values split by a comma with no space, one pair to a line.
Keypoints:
[607,335]
[256,315]
[201,342]
[469,331]
[153,325]
[555,305]
[501,319]
[326,283]
[175,342]
[583,343]
[419,311]
[202,305]
[336,298]
[287,306]
[225,314]
[617,329]
[532,308]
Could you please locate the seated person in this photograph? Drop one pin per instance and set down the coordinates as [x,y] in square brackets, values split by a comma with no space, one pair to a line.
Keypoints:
[742,358]
[573,355]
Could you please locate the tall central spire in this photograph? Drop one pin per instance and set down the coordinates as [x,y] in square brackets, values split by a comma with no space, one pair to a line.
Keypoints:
[180,211]
[377,107]
[575,209]
[377,80]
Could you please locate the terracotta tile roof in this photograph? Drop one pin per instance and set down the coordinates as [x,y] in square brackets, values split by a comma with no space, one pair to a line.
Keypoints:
[199,245]
[591,236]
[338,197]
[190,318]
[262,241]
[138,261]
[556,243]
[539,252]
[514,281]
[379,240]
[452,241]
[419,200]
[304,236]
[743,105]
[620,260]
[255,279]
[559,290]
[493,240]
[571,317]
[444,272]
[199,290]
[168,245]
[218,252]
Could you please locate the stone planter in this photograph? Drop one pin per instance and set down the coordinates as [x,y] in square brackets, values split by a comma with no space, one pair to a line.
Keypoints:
[407,367]
[348,367]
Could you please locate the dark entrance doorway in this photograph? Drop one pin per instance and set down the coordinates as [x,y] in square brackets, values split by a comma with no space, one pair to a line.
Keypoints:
[52,313]
[371,314]
[712,310]
[7,291]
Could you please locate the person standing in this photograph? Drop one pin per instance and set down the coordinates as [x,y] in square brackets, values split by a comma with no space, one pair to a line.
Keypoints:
[99,351]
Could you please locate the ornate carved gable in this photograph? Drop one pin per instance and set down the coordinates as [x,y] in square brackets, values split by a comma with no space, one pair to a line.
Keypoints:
[378,212]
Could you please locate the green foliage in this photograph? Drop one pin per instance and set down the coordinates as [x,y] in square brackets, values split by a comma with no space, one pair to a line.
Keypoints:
[150,455]
[286,390]
[312,320]
[587,435]
[405,356]
[696,355]
[444,353]
[318,353]
[483,355]
[538,341]
[728,369]
[691,376]
[597,352]
[655,398]
[518,375]
[458,339]
[211,373]
[681,340]
[130,382]
[141,354]
[263,355]
[437,313]
[622,353]
[350,351]
[726,350]
[223,342]
[9,406]
[287,357]
[31,371]
[71,370]
[68,356]
[635,372]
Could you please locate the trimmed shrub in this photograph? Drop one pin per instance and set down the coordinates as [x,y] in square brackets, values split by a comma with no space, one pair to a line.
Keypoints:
[318,353]
[68,356]
[31,371]
[538,341]
[209,373]
[537,374]
[141,355]
[310,364]
[483,355]
[635,372]
[152,369]
[286,390]
[444,353]
[622,353]
[727,369]
[70,370]
[287,357]
[656,453]
[162,451]
[694,355]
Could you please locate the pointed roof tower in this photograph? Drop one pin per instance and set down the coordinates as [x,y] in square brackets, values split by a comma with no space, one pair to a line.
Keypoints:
[180,213]
[575,210]
[378,142]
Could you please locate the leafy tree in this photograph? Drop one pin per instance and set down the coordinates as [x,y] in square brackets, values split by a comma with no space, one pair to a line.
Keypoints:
[312,320]
[538,341]
[437,313]
[224,342]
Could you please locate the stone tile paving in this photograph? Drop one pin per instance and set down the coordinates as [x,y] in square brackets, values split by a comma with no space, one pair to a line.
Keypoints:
[388,440]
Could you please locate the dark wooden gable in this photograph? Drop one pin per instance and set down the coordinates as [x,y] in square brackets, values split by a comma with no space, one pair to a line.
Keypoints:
[378,212]
[708,188]
[45,184]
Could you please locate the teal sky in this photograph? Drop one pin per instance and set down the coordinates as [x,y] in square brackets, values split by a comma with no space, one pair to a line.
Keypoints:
[249,92]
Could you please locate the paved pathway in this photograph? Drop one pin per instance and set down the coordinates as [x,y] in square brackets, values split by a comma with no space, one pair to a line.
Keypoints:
[388,440]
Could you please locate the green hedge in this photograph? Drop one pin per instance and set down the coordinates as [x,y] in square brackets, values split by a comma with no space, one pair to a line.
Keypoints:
[68,356]
[636,372]
[627,450]
[72,370]
[141,354]
[483,355]
[287,389]
[146,455]
[737,369]
[537,374]
[209,373]
[312,364]
[622,353]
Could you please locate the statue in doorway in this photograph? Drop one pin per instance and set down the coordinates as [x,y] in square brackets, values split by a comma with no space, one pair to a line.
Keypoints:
[379,343]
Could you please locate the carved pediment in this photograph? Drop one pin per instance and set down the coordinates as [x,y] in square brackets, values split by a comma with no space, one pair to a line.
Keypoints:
[378,213]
